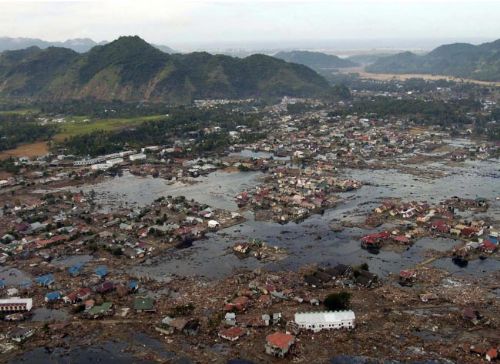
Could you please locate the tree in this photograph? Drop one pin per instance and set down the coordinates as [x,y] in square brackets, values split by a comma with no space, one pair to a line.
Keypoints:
[337,301]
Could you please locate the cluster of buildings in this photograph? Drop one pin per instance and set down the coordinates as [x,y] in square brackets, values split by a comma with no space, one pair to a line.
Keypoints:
[420,219]
[293,194]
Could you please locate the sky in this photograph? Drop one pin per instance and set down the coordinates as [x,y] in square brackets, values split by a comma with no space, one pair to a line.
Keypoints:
[185,24]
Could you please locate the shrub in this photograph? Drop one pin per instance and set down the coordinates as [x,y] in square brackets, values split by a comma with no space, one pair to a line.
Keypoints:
[337,301]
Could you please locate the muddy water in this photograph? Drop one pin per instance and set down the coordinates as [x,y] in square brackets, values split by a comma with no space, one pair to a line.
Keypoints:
[312,240]
[109,352]
[14,277]
[72,260]
[246,153]
[46,314]
[217,189]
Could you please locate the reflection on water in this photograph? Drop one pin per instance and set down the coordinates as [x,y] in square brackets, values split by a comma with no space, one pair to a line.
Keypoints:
[313,241]
[217,189]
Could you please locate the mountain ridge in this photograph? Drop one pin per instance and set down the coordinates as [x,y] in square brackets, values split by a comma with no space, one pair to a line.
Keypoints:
[130,69]
[80,45]
[315,60]
[480,62]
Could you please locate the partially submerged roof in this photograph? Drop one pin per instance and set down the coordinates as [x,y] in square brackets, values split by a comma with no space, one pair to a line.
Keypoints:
[144,303]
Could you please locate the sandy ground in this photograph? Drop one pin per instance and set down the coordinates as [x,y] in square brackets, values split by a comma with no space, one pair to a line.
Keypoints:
[405,76]
[26,150]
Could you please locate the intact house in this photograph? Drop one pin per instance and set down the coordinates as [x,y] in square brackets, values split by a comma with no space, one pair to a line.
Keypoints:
[325,320]
[279,344]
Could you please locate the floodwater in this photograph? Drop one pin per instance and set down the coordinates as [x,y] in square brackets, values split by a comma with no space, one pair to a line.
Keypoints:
[217,189]
[312,240]
[109,352]
[247,153]
[71,260]
[14,277]
[46,314]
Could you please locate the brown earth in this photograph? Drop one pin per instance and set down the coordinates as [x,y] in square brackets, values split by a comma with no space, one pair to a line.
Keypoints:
[26,150]
[405,76]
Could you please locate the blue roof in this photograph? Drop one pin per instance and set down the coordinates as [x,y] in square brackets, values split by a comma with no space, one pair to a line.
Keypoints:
[2,283]
[45,280]
[101,271]
[52,296]
[133,285]
[75,269]
[25,284]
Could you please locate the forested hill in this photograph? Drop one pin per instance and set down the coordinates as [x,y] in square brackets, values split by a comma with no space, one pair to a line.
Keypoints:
[481,62]
[315,60]
[130,69]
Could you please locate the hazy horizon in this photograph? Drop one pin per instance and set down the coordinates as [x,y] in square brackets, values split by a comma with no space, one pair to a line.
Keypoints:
[334,46]
[259,24]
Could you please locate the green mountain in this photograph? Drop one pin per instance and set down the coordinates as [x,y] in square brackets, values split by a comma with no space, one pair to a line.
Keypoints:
[130,69]
[315,60]
[481,62]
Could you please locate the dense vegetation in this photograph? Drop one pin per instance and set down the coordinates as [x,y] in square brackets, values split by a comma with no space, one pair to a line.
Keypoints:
[17,129]
[480,62]
[181,123]
[129,69]
[93,108]
[435,112]
[337,301]
[315,60]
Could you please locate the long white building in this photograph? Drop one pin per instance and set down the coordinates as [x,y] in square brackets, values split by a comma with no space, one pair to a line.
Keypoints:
[325,320]
[16,304]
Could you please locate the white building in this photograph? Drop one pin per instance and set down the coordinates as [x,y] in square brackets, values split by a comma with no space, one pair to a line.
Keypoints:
[325,320]
[137,157]
[16,304]
[100,166]
[213,224]
[114,161]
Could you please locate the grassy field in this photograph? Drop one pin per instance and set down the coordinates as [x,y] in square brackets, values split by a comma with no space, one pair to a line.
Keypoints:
[77,125]
[20,111]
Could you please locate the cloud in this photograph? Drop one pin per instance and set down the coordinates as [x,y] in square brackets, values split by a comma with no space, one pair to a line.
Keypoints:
[184,21]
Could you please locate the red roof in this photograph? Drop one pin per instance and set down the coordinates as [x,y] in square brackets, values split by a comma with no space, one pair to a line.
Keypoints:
[492,353]
[489,246]
[407,274]
[468,231]
[372,238]
[232,333]
[280,340]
